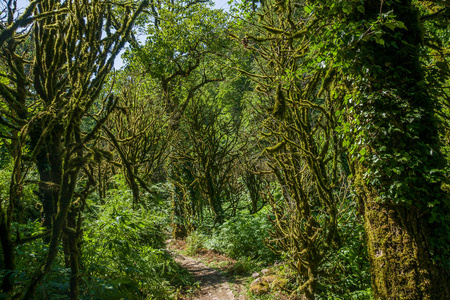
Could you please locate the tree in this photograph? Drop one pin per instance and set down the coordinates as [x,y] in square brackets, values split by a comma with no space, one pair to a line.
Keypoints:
[388,125]
[406,213]
[9,24]
[138,131]
[50,95]
[181,51]
[392,137]
[210,154]
[299,141]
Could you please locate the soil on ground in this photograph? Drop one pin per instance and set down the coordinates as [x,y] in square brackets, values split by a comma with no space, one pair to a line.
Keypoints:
[214,284]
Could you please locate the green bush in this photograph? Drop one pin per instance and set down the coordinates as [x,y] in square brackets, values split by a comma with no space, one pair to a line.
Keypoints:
[346,271]
[25,207]
[243,236]
[195,242]
[124,255]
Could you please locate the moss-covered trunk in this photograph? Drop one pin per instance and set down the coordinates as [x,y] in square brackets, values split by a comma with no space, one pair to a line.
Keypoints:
[179,231]
[75,255]
[7,261]
[7,252]
[59,225]
[213,198]
[398,248]
[398,178]
[49,166]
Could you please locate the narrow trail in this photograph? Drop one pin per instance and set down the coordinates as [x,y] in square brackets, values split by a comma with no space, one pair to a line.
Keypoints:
[214,285]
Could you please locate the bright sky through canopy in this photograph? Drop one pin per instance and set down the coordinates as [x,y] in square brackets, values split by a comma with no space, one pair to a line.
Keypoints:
[118,63]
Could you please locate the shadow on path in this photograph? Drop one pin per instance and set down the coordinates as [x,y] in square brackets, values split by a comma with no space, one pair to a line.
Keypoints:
[213,284]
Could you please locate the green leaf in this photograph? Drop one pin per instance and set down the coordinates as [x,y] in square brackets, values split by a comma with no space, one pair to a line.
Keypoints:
[380,41]
[442,65]
[393,24]
[361,9]
[308,9]
[401,25]
[347,9]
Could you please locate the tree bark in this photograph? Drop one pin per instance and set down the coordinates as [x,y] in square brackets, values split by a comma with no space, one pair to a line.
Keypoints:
[59,224]
[8,254]
[178,229]
[74,253]
[398,249]
[400,135]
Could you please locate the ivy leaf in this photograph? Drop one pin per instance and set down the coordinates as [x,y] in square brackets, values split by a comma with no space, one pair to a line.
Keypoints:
[393,24]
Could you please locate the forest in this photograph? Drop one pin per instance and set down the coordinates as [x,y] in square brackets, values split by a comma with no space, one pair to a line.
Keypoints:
[308,137]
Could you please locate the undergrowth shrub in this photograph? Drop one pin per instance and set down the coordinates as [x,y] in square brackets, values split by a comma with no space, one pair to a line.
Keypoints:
[26,208]
[345,274]
[124,255]
[243,236]
[195,242]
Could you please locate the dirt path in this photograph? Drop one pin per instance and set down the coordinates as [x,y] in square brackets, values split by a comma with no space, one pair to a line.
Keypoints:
[214,285]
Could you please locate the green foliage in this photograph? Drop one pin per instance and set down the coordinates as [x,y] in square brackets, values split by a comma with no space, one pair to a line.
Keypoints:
[393,144]
[179,36]
[392,129]
[5,177]
[243,236]
[28,256]
[195,242]
[331,94]
[124,251]
[26,208]
[352,280]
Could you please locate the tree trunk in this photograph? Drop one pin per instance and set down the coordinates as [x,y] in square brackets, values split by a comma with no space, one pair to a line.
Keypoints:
[8,254]
[49,165]
[214,201]
[397,245]
[15,194]
[74,253]
[67,189]
[178,229]
[399,190]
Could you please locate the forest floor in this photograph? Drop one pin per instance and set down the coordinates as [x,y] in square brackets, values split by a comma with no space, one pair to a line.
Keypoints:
[209,269]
